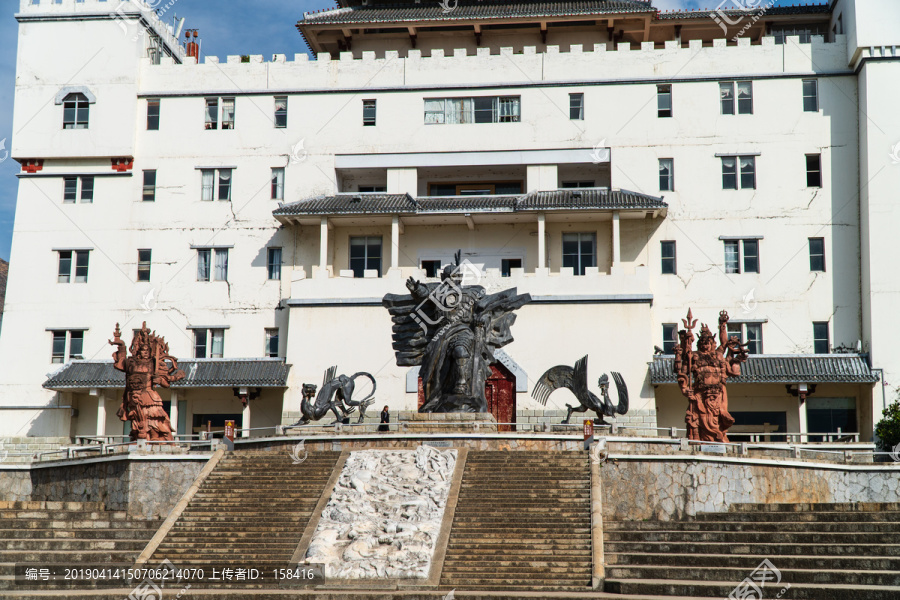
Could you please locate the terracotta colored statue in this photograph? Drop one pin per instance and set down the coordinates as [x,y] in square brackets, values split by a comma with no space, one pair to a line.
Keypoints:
[702,374]
[149,365]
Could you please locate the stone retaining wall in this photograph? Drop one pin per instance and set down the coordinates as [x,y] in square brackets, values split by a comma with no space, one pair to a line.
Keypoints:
[635,490]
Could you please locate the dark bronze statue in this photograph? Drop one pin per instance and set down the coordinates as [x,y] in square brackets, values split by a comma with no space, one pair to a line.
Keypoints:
[451,330]
[702,375]
[575,380]
[149,365]
[336,395]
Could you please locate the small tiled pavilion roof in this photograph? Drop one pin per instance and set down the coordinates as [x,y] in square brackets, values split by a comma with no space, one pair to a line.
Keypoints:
[795,368]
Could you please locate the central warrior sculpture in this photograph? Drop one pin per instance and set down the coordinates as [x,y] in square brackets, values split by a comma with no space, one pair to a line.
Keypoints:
[451,330]
[149,364]
[702,375]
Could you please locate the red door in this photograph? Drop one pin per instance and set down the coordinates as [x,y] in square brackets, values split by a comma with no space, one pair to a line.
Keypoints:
[500,392]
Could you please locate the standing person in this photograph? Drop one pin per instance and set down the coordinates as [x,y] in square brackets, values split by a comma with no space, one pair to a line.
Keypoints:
[385,419]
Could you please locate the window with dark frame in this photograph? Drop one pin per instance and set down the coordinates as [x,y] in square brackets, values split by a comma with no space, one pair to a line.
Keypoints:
[58,348]
[75,345]
[148,193]
[278,183]
[480,109]
[212,113]
[209,343]
[76,111]
[726,97]
[813,170]
[664,100]
[508,264]
[745,97]
[209,187]
[670,337]
[212,264]
[75,188]
[747,333]
[228,113]
[669,265]
[79,259]
[579,251]
[87,188]
[431,267]
[273,263]
[369,110]
[821,339]
[577,184]
[666,175]
[144,262]
[153,114]
[70,190]
[365,255]
[271,342]
[576,107]
[733,262]
[751,256]
[371,189]
[738,171]
[817,254]
[281,111]
[810,95]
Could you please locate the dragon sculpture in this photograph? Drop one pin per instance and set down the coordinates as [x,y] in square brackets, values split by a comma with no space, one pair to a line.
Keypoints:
[575,380]
[336,395]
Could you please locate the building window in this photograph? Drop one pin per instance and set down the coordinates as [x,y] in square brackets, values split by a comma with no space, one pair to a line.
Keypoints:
[144,261]
[212,113]
[76,111]
[744,97]
[78,187]
[738,170]
[431,267]
[208,184]
[576,184]
[369,113]
[805,32]
[821,340]
[508,264]
[484,109]
[579,251]
[371,189]
[810,95]
[365,255]
[281,103]
[75,344]
[726,94]
[272,343]
[278,183]
[813,170]
[79,259]
[576,107]
[153,114]
[664,100]
[749,334]
[668,258]
[666,175]
[733,262]
[670,337]
[209,271]
[816,254]
[273,262]
[227,113]
[209,343]
[149,191]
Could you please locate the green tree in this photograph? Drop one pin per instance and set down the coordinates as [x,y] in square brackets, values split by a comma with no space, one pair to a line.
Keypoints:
[888,429]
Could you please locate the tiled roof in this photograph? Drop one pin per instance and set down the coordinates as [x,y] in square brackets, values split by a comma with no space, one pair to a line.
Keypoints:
[774,11]
[471,10]
[356,204]
[797,368]
[213,372]
[569,199]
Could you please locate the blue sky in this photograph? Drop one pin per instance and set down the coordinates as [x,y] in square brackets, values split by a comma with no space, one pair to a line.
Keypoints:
[226,27]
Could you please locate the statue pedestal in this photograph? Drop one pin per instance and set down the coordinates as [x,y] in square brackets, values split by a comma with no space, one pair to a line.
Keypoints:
[447,423]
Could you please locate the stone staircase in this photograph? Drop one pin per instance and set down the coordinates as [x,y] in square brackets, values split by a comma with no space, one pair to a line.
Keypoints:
[823,552]
[250,512]
[67,535]
[523,522]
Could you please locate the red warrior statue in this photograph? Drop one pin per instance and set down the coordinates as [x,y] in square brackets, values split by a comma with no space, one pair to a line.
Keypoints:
[148,365]
[702,375]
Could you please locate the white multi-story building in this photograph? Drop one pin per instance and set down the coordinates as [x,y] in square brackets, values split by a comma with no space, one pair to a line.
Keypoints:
[618,164]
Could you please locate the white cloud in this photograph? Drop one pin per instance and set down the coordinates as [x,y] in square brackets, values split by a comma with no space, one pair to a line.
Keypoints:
[676,4]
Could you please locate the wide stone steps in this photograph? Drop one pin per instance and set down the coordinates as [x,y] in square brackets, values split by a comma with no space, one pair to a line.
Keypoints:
[807,526]
[755,537]
[762,550]
[625,559]
[59,534]
[722,589]
[516,530]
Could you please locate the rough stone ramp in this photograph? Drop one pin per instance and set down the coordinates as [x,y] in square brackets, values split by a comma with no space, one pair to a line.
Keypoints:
[68,534]
[523,522]
[250,512]
[824,551]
